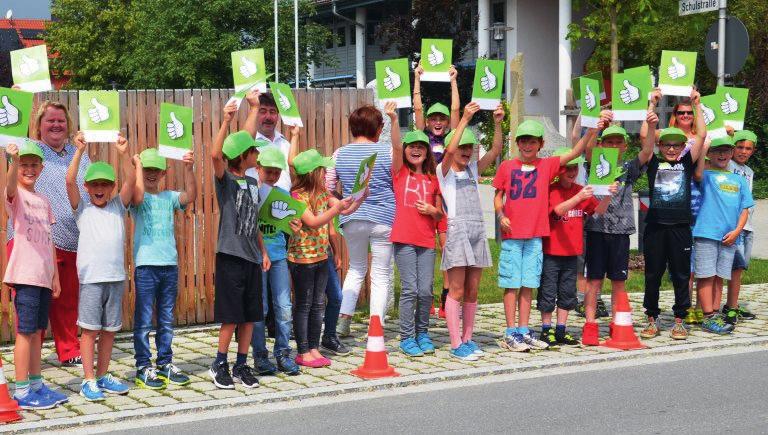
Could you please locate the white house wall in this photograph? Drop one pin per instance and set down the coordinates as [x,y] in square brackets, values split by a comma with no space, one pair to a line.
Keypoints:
[537,40]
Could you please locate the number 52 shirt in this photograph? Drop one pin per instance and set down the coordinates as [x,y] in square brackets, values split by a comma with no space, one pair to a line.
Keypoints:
[526,195]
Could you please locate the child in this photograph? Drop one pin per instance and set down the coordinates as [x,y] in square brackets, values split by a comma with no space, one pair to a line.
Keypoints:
[569,203]
[31,271]
[745,141]
[466,250]
[724,211]
[100,262]
[418,207]
[667,238]
[156,271]
[522,192]
[240,253]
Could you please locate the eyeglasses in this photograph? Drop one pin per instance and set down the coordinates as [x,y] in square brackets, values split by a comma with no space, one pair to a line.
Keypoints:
[671,145]
[684,112]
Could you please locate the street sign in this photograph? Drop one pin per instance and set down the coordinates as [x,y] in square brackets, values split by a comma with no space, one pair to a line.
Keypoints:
[688,7]
[736,49]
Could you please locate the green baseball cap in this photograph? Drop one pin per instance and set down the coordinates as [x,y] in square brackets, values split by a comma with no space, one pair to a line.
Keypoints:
[100,171]
[672,134]
[565,150]
[744,135]
[151,159]
[530,128]
[722,141]
[272,157]
[415,136]
[29,147]
[309,160]
[467,137]
[438,108]
[615,130]
[236,144]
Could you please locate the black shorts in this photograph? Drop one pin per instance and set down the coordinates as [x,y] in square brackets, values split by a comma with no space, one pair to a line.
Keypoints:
[558,284]
[238,290]
[607,256]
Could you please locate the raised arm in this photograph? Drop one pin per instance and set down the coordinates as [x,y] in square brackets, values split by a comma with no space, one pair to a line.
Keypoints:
[578,149]
[337,206]
[73,192]
[701,164]
[217,157]
[648,142]
[701,126]
[418,105]
[498,141]
[129,172]
[469,111]
[11,183]
[652,103]
[252,97]
[294,149]
[189,193]
[397,144]
[138,191]
[606,117]
[455,99]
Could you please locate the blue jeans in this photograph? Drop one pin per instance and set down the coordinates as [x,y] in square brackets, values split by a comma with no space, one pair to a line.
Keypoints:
[279,281]
[333,301]
[155,285]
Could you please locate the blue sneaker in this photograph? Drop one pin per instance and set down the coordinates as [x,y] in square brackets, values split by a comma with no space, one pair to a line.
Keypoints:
[716,325]
[90,390]
[111,385]
[425,343]
[474,347]
[464,353]
[59,398]
[35,400]
[410,347]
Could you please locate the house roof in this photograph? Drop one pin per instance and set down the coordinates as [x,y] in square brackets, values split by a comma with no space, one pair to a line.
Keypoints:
[29,32]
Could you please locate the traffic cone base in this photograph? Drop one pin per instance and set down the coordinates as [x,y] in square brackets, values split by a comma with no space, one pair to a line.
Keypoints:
[8,406]
[622,332]
[375,364]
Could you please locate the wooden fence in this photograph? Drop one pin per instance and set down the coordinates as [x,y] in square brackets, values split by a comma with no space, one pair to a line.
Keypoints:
[325,113]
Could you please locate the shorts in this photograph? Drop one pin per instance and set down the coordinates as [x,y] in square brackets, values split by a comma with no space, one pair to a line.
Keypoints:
[466,245]
[713,258]
[607,256]
[238,290]
[581,259]
[558,284]
[101,306]
[520,263]
[743,251]
[32,304]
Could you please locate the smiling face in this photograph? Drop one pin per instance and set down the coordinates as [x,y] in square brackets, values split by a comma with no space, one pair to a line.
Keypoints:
[463,156]
[615,141]
[267,120]
[529,147]
[684,116]
[152,178]
[53,127]
[671,149]
[437,124]
[415,154]
[29,171]
[568,175]
[99,191]
[744,150]
[269,175]
[720,156]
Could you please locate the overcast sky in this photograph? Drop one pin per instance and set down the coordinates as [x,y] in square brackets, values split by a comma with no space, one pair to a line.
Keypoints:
[26,8]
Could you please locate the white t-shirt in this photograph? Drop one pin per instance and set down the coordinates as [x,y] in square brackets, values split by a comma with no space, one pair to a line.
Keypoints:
[101,245]
[448,185]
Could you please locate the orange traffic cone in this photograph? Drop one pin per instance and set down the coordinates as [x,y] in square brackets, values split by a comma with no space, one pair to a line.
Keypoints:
[8,406]
[622,334]
[375,364]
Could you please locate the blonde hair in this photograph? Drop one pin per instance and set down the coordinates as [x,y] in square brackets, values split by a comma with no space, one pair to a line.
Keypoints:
[35,130]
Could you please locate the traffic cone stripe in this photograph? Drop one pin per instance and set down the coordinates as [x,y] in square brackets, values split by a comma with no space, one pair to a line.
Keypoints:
[375,344]
[622,319]
[375,364]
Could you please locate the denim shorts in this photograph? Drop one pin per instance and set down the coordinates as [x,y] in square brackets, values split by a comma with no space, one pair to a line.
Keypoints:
[520,262]
[101,306]
[743,251]
[32,304]
[713,258]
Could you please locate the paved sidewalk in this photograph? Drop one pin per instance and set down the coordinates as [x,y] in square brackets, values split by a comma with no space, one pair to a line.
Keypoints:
[195,348]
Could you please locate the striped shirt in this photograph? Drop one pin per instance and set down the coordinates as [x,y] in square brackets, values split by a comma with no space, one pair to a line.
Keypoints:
[379,207]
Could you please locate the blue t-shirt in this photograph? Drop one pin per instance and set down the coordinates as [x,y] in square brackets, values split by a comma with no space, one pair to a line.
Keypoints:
[154,243]
[724,196]
[274,239]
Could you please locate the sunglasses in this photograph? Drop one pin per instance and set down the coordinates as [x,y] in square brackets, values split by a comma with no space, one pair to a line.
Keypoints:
[684,112]
[671,145]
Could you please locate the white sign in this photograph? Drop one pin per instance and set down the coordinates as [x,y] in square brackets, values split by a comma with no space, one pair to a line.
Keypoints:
[688,7]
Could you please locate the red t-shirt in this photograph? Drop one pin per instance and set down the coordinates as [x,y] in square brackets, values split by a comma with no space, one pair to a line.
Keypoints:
[410,226]
[566,235]
[526,195]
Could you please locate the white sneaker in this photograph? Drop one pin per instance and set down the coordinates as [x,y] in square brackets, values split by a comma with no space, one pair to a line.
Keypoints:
[514,343]
[534,342]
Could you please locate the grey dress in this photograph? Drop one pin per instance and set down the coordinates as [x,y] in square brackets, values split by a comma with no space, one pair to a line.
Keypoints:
[466,244]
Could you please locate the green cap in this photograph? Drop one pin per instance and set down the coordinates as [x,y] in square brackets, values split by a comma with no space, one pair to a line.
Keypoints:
[309,160]
[530,128]
[673,134]
[100,171]
[745,135]
[29,147]
[415,136]
[467,137]
[236,144]
[565,150]
[722,141]
[272,157]
[151,159]
[438,108]
[615,130]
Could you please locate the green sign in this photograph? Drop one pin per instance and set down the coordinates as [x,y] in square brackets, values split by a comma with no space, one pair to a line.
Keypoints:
[577,89]
[279,209]
[713,118]
[603,169]
[99,115]
[733,105]
[489,82]
[436,57]
[393,82]
[629,98]
[286,104]
[363,177]
[15,113]
[174,131]
[589,89]
[29,67]
[249,70]
[677,72]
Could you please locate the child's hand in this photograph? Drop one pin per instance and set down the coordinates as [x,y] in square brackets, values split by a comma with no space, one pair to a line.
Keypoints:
[229,111]
[295,225]
[418,71]
[652,118]
[252,98]
[337,262]
[452,73]
[655,96]
[295,131]
[391,110]
[122,144]
[12,151]
[470,110]
[498,114]
[79,140]
[613,188]
[136,161]
[729,130]
[424,208]
[505,224]
[606,116]
[730,238]
[55,288]
[344,204]
[188,159]
[266,263]
[695,97]
[586,193]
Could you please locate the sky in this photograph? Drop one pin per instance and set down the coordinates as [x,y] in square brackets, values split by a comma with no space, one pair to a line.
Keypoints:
[26,8]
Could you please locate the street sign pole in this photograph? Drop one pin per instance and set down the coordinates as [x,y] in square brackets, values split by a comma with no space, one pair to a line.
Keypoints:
[721,44]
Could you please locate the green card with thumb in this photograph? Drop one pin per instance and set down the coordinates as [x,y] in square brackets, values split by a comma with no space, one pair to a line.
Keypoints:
[393,82]
[279,209]
[15,114]
[488,84]
[363,177]
[29,67]
[249,70]
[733,105]
[99,115]
[589,91]
[286,104]
[436,58]
[174,131]
[677,72]
[713,118]
[603,169]
[629,100]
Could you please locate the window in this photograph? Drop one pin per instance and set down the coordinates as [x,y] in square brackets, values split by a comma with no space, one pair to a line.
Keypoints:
[329,43]
[370,34]
[341,36]
[497,13]
[352,35]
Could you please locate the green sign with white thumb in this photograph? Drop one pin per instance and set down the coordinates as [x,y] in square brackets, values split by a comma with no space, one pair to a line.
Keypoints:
[286,104]
[174,131]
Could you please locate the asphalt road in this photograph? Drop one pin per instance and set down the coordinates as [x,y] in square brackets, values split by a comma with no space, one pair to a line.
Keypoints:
[724,392]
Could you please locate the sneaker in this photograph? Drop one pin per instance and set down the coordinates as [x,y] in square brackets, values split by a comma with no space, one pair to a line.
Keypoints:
[35,400]
[146,377]
[343,327]
[475,348]
[264,366]
[745,314]
[464,353]
[534,342]
[580,310]
[730,315]
[287,365]
[91,392]
[690,317]
[111,384]
[410,347]
[716,325]
[243,373]
[220,376]
[602,311]
[548,337]
[514,342]
[425,342]
[313,364]
[441,313]
[566,339]
[590,334]
[678,332]
[333,345]
[650,330]
[73,362]
[59,398]
[172,374]
[699,316]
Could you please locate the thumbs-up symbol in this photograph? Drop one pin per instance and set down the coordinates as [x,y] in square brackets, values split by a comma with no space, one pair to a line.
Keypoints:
[247,67]
[589,99]
[603,168]
[285,103]
[99,112]
[175,128]
[630,93]
[436,57]
[676,70]
[28,66]
[9,114]
[488,81]
[392,81]
[729,105]
[708,113]
[280,210]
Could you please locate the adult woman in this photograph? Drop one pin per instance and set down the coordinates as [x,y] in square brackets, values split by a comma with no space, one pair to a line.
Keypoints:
[52,128]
